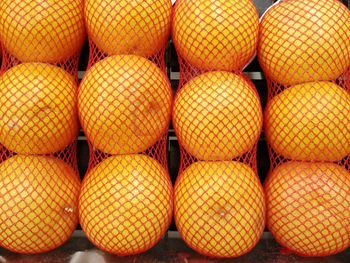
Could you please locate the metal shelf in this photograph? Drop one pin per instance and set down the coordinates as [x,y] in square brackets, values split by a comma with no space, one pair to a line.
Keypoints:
[171,249]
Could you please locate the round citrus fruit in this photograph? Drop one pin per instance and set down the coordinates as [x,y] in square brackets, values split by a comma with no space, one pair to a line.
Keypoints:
[310,121]
[125,204]
[128,27]
[216,35]
[42,31]
[38,109]
[303,41]
[217,116]
[308,207]
[219,208]
[38,203]
[124,104]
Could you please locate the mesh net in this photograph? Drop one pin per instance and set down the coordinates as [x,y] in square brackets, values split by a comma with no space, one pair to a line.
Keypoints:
[309,122]
[124,103]
[308,207]
[125,204]
[128,27]
[125,107]
[219,208]
[215,35]
[304,53]
[307,116]
[41,31]
[217,118]
[302,41]
[39,112]
[125,99]
[38,203]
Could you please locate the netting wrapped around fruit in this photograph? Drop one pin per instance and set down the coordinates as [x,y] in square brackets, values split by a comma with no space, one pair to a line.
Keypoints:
[219,208]
[218,116]
[308,207]
[215,35]
[39,112]
[125,107]
[124,103]
[304,52]
[42,31]
[126,204]
[122,27]
[38,203]
[125,99]
[302,41]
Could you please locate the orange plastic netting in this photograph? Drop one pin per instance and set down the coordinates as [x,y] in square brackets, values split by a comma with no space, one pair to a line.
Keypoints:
[124,103]
[308,207]
[39,125]
[304,52]
[219,204]
[42,31]
[38,203]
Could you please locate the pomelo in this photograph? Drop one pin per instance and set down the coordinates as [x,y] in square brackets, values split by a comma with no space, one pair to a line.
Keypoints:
[42,31]
[38,109]
[302,41]
[308,207]
[215,35]
[128,27]
[124,104]
[38,203]
[125,204]
[310,121]
[217,116]
[219,208]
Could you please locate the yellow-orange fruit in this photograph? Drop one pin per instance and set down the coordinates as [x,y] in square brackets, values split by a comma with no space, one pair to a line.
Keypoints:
[38,203]
[216,35]
[128,27]
[219,208]
[310,121]
[38,109]
[125,204]
[42,31]
[308,207]
[124,104]
[217,116]
[301,41]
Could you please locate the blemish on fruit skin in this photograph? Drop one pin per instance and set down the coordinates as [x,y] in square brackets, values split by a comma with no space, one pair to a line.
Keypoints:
[69,210]
[12,124]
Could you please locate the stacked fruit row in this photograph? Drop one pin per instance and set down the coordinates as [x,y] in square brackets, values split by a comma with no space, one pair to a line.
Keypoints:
[304,50]
[219,201]
[39,182]
[124,104]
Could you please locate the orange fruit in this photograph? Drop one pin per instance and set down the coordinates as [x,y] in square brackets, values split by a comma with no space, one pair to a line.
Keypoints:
[42,31]
[124,104]
[217,116]
[38,203]
[219,208]
[128,27]
[308,207]
[125,204]
[310,121]
[302,41]
[38,109]
[215,35]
